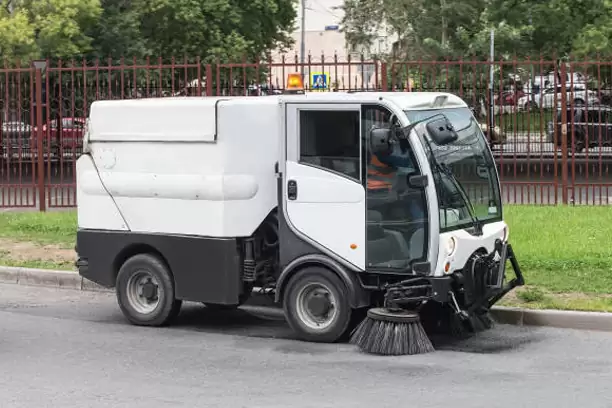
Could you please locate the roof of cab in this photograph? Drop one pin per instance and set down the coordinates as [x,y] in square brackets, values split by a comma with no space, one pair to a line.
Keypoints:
[404,100]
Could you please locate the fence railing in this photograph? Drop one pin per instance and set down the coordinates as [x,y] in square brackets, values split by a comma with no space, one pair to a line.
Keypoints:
[549,123]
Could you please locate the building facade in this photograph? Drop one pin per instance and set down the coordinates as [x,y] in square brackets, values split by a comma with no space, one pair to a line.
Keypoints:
[326,51]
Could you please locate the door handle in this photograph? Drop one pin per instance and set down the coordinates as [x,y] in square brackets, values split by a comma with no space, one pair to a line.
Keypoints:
[291,189]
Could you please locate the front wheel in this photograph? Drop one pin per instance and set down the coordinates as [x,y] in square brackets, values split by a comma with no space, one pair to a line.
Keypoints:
[145,291]
[316,305]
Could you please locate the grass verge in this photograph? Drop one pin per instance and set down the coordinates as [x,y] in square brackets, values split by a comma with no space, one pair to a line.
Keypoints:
[55,227]
[563,251]
[38,240]
[565,256]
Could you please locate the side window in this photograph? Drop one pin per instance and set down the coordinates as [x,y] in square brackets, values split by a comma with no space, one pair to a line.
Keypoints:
[399,159]
[330,139]
[573,116]
[596,117]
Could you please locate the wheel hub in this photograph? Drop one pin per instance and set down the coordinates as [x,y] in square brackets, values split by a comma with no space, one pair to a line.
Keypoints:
[316,306]
[319,304]
[143,292]
[149,290]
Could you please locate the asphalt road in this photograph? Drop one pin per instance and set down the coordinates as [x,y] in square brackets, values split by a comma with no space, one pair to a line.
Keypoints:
[61,348]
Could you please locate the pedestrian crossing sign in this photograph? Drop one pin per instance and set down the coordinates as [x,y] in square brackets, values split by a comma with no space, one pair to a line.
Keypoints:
[318,80]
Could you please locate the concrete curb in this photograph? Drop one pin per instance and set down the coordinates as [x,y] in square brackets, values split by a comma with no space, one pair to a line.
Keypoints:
[564,319]
[48,278]
[507,315]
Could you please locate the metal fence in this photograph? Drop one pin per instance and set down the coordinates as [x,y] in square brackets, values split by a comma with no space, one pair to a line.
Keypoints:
[551,134]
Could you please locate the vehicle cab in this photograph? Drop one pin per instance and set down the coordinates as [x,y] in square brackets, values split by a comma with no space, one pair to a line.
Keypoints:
[405,192]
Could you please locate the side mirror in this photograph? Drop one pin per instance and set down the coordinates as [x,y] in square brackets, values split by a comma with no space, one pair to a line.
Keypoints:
[442,131]
[482,171]
[379,140]
[418,181]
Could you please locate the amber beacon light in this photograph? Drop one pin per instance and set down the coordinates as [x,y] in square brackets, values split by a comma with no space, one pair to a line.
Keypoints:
[295,84]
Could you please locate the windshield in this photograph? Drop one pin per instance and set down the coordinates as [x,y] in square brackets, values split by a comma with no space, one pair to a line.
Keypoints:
[464,172]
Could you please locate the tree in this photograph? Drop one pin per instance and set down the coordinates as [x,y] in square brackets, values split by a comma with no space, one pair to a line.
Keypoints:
[424,29]
[117,33]
[32,29]
[460,28]
[227,30]
[595,37]
[551,28]
[17,36]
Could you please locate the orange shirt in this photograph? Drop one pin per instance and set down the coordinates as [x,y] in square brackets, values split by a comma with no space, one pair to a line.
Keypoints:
[379,175]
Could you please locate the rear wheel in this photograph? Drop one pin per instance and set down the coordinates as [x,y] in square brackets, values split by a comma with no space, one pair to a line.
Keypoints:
[145,291]
[316,305]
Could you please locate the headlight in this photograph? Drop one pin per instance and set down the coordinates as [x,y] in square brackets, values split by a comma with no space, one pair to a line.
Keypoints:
[451,245]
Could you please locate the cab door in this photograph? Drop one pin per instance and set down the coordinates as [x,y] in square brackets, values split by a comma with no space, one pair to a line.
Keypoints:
[323,194]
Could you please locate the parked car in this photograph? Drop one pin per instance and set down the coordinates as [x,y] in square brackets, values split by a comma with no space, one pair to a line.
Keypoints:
[16,141]
[506,102]
[67,143]
[71,137]
[578,94]
[588,125]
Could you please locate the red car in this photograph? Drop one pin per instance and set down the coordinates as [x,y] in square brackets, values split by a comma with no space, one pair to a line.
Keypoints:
[69,142]
[508,98]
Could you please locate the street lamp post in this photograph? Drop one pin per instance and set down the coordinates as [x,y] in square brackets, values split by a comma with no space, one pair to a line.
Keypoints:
[303,37]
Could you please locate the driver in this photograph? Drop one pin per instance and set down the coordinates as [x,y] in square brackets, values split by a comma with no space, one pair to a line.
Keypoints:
[383,168]
[380,174]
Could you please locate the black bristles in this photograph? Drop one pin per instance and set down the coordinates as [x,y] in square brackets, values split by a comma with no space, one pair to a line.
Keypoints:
[391,338]
[482,322]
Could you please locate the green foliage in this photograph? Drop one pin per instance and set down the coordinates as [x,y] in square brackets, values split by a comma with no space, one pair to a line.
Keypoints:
[58,227]
[424,29]
[225,30]
[17,36]
[562,249]
[461,28]
[31,29]
[530,295]
[117,33]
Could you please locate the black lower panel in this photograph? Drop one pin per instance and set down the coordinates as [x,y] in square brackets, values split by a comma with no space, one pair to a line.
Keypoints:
[204,269]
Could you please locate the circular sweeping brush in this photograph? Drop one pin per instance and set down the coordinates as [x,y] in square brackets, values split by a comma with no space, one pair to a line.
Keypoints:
[391,332]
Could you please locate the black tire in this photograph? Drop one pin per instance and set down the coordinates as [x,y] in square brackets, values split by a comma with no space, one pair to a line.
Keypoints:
[579,148]
[530,106]
[167,307]
[340,323]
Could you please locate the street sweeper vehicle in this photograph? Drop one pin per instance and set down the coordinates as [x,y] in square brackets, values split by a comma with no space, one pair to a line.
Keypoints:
[373,207]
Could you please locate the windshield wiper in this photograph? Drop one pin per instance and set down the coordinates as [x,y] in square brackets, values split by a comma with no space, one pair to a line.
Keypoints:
[475,221]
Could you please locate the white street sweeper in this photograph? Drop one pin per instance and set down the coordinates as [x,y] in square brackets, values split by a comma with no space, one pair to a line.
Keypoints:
[335,203]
